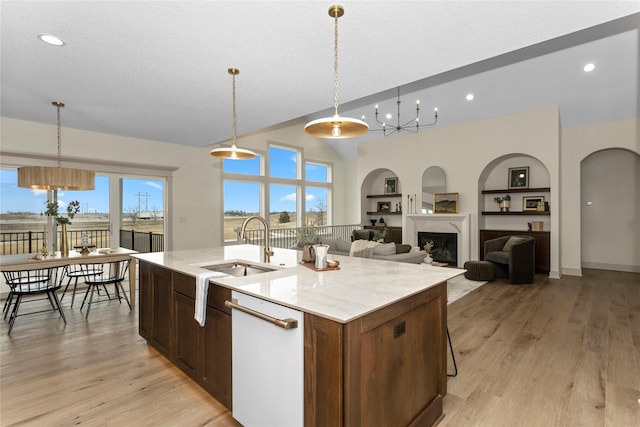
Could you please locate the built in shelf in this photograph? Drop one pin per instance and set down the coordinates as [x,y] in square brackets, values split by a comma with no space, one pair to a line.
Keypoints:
[547,213]
[384,213]
[380,196]
[519,190]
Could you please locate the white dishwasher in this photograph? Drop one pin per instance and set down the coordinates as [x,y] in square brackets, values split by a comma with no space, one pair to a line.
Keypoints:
[267,363]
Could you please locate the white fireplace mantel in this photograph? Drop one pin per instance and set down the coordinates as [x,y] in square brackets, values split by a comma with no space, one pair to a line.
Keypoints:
[440,223]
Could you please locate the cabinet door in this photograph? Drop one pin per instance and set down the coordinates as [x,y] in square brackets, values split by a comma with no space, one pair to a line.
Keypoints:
[215,351]
[186,333]
[161,301]
[144,303]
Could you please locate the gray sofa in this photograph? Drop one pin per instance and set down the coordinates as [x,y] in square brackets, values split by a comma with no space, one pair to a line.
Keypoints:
[384,251]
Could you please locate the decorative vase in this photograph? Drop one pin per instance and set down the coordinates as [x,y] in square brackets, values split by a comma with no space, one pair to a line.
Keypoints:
[64,242]
[504,206]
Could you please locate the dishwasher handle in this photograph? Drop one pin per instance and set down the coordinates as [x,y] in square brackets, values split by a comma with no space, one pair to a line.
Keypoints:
[282,323]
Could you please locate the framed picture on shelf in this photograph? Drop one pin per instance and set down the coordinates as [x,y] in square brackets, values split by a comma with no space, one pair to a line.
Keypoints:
[445,203]
[519,177]
[531,203]
[384,207]
[390,185]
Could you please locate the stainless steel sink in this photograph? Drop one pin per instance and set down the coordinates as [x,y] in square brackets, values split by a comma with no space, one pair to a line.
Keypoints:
[237,269]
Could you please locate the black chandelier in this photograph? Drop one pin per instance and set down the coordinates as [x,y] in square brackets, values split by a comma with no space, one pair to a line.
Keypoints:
[412,125]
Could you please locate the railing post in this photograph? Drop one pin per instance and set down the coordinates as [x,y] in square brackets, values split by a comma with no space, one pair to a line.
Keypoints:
[133,240]
[30,251]
[150,241]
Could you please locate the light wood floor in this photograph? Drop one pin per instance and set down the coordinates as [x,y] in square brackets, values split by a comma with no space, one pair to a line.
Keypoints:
[557,353]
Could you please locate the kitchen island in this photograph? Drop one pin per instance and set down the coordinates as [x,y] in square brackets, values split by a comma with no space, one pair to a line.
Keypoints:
[374,331]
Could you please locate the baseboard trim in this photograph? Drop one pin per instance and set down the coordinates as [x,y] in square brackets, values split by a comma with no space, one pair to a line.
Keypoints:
[572,271]
[613,267]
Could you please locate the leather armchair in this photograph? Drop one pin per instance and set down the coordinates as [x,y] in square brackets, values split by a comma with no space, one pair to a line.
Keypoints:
[517,262]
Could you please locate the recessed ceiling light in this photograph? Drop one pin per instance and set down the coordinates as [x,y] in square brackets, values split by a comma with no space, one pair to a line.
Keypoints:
[589,67]
[51,39]
[470,97]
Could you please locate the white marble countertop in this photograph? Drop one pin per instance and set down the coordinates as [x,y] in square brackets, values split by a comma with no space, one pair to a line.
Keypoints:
[359,287]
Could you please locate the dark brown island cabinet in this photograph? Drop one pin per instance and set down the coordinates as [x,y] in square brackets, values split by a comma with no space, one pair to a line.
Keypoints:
[387,368]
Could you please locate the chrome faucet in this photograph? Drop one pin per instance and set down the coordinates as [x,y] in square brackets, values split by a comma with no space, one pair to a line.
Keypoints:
[266,255]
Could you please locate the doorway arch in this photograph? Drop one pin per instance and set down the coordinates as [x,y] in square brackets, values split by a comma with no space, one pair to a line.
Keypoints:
[610,210]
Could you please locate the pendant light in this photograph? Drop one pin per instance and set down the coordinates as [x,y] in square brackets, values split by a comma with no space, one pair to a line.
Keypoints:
[336,127]
[56,178]
[233,152]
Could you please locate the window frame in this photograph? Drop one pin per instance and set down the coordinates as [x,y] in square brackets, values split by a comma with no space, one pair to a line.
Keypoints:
[265,180]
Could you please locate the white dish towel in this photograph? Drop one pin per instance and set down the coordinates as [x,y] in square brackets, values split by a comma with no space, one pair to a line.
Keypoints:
[202,288]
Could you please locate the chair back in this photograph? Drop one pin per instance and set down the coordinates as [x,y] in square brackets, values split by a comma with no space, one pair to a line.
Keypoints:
[106,272]
[32,281]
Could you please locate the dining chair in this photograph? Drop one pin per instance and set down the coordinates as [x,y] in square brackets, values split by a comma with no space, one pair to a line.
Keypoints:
[76,271]
[25,283]
[113,272]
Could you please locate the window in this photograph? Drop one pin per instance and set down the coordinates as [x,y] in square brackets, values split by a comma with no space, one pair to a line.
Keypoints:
[316,172]
[316,203]
[241,199]
[142,205]
[24,224]
[282,195]
[283,163]
[283,206]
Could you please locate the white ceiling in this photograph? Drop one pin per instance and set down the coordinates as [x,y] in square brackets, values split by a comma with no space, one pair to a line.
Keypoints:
[158,69]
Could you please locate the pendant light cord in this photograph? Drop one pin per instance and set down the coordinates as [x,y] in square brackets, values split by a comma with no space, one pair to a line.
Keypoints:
[335,61]
[58,105]
[233,120]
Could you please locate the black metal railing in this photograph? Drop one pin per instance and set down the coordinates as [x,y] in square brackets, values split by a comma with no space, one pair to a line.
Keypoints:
[27,242]
[289,237]
[142,241]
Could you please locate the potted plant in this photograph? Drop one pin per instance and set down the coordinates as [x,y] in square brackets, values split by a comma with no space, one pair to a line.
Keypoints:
[73,208]
[504,202]
[379,235]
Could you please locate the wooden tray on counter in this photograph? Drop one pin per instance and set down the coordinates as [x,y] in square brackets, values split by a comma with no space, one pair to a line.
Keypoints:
[312,265]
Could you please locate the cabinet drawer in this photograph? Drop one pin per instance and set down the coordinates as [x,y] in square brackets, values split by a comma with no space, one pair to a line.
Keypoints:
[216,297]
[186,285]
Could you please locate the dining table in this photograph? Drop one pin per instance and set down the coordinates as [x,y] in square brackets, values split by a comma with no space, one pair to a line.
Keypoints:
[32,261]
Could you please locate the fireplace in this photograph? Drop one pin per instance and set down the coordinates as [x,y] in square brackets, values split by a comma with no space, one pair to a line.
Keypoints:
[445,246]
[441,223]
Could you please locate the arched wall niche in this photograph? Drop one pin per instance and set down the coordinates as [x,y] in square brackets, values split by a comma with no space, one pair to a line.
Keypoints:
[610,210]
[374,185]
[495,176]
[434,181]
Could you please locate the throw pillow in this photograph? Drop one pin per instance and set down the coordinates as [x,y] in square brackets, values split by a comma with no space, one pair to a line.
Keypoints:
[333,244]
[402,249]
[360,234]
[513,240]
[343,246]
[385,249]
